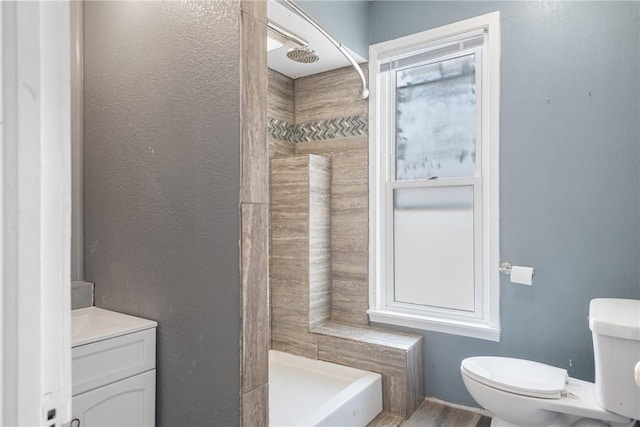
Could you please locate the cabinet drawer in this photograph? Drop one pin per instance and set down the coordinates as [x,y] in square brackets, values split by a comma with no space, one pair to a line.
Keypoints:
[103,362]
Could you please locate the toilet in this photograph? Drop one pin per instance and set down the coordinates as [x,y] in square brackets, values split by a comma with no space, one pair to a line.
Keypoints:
[523,393]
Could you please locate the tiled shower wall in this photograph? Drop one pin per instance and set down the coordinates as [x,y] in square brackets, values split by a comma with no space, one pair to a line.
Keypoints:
[313,121]
[322,114]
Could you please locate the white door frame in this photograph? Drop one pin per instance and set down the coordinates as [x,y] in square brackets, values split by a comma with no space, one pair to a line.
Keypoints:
[35,214]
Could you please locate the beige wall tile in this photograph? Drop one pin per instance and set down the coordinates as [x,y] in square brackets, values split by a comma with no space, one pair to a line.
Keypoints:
[415,378]
[289,237]
[255,407]
[328,95]
[289,327]
[348,265]
[290,171]
[280,100]
[351,195]
[340,330]
[290,294]
[411,343]
[303,345]
[349,158]
[287,269]
[279,148]
[394,395]
[349,226]
[300,251]
[255,164]
[319,240]
[349,301]
[349,232]
[255,295]
[377,336]
[255,8]
[319,303]
[384,360]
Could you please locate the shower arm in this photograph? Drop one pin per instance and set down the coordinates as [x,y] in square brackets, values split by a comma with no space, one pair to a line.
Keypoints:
[364,92]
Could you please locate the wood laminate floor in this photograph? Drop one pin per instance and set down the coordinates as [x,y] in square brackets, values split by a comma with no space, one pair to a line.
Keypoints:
[433,414]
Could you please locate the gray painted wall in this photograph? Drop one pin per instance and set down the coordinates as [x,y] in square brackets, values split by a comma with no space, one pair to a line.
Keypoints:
[162,182]
[347,21]
[570,199]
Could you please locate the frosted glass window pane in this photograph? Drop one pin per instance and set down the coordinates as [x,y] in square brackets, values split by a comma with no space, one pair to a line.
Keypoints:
[436,120]
[433,246]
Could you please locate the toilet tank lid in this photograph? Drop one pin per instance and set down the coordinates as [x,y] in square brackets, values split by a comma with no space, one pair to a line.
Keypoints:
[615,317]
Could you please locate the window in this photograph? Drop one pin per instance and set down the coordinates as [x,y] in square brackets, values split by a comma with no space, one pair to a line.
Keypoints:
[433,185]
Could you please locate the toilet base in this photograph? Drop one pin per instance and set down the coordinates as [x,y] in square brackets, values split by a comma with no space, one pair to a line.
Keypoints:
[567,421]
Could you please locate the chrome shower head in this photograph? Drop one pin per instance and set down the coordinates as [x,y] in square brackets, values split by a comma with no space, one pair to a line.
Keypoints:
[303,54]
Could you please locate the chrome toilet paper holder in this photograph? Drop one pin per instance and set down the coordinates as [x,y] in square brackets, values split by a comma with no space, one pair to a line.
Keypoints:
[505,268]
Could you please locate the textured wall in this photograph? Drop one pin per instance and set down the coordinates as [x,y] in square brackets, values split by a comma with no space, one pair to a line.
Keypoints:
[569,198]
[162,184]
[347,21]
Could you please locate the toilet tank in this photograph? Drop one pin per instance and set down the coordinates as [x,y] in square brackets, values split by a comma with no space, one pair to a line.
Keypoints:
[615,326]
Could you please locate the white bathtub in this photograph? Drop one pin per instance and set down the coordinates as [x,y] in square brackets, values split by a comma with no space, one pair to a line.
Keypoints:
[306,392]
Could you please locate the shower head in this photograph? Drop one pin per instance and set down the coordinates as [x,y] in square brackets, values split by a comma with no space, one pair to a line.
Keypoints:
[303,54]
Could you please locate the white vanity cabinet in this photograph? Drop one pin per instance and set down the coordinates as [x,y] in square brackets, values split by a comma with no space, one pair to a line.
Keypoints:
[113,369]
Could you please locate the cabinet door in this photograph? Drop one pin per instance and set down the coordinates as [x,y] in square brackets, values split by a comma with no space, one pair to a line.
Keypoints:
[128,402]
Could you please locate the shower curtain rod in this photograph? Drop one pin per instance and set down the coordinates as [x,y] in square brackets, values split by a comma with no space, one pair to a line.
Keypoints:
[364,92]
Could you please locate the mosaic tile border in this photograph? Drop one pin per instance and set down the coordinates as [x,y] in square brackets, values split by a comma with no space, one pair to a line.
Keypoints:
[280,130]
[319,130]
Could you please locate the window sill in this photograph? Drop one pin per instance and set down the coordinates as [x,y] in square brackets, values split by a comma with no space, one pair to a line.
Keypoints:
[425,323]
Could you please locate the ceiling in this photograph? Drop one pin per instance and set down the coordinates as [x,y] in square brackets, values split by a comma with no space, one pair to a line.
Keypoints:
[330,56]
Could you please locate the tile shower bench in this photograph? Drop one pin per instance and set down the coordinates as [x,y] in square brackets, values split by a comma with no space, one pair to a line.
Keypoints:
[397,356]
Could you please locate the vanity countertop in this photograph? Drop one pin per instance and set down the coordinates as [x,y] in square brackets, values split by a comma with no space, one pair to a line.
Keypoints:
[93,324]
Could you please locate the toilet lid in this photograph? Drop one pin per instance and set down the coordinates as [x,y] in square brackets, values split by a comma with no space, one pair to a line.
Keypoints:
[517,376]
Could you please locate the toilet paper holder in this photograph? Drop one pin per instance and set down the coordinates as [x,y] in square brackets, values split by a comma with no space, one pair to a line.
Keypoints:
[505,268]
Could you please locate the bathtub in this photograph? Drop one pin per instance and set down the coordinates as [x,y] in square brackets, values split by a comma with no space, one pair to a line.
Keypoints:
[306,392]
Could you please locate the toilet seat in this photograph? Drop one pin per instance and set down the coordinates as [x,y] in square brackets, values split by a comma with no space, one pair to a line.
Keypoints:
[523,377]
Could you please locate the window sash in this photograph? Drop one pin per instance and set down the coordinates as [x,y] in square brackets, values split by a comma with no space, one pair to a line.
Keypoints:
[388,299]
[414,55]
[387,85]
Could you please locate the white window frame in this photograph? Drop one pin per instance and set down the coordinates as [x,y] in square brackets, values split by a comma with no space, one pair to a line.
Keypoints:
[484,323]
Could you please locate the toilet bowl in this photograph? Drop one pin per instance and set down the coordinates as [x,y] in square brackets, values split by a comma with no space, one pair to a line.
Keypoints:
[523,393]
